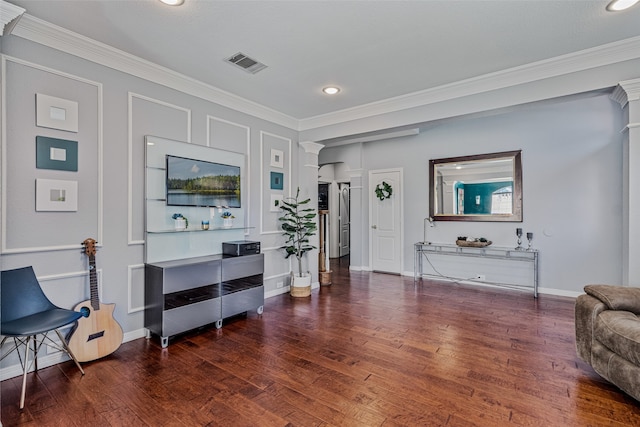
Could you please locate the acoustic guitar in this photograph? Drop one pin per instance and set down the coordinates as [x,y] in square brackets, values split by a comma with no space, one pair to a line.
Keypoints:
[96,334]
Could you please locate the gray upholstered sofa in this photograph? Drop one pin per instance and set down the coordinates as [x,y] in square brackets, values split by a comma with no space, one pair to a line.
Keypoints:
[608,334]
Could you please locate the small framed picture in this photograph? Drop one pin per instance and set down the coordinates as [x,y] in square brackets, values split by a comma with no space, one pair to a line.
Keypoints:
[55,195]
[277,158]
[277,180]
[56,113]
[276,202]
[57,154]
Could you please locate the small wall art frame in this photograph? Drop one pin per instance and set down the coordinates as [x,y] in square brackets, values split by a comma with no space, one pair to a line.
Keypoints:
[56,154]
[56,113]
[276,202]
[56,195]
[277,180]
[277,158]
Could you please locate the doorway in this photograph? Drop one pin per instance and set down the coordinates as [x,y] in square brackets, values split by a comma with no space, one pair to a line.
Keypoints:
[344,219]
[385,221]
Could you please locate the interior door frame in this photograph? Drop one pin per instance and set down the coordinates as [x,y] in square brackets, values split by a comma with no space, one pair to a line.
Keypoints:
[340,219]
[399,192]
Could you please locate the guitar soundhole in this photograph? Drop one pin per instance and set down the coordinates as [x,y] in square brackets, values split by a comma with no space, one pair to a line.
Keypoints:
[85,311]
[96,335]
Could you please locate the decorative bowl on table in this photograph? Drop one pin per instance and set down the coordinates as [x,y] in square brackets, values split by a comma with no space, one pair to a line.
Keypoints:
[471,242]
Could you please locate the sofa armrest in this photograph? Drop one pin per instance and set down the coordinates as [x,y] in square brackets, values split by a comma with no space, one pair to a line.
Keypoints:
[616,297]
[586,312]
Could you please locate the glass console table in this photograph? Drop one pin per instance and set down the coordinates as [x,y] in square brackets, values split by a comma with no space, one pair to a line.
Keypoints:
[422,249]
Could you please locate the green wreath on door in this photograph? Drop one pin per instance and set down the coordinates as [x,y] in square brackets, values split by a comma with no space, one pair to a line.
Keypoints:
[383,192]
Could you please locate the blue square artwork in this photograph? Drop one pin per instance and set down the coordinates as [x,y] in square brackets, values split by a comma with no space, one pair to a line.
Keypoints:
[57,154]
[277,180]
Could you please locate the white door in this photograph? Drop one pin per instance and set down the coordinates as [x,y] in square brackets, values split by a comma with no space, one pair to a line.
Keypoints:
[385,220]
[343,219]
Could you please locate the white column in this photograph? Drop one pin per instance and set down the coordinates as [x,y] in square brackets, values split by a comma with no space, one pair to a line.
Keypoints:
[358,231]
[308,183]
[628,95]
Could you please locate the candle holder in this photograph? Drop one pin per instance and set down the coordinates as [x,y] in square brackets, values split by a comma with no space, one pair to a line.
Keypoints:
[519,234]
[529,238]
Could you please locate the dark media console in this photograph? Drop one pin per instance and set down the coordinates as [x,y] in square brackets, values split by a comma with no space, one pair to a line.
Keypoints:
[186,294]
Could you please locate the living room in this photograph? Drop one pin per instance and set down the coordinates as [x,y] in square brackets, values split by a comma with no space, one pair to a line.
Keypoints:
[573,116]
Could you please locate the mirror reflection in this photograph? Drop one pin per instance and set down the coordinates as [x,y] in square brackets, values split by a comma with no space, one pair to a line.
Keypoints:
[484,187]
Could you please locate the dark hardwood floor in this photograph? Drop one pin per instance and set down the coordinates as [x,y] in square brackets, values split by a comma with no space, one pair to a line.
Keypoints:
[369,350]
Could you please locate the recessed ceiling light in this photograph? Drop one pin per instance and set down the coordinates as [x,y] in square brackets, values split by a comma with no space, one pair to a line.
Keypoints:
[618,5]
[331,90]
[173,2]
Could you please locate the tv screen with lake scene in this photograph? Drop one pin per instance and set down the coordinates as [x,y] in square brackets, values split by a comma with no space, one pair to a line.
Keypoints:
[193,182]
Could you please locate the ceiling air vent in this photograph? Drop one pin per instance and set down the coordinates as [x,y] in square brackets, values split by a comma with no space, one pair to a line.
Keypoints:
[243,61]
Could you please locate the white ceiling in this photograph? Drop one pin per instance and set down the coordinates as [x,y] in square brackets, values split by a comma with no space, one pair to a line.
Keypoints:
[374,50]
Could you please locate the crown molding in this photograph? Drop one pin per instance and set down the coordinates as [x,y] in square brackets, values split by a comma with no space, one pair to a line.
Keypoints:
[55,37]
[9,16]
[599,56]
[45,33]
[628,90]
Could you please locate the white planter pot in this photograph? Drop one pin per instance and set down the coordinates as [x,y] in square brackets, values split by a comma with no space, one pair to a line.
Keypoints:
[180,224]
[227,222]
[300,285]
[301,281]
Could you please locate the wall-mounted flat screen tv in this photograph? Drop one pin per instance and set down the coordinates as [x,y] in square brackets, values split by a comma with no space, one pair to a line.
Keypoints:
[193,182]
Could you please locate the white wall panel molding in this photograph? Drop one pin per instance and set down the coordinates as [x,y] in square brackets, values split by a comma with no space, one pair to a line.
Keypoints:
[264,159]
[247,153]
[130,166]
[245,128]
[599,56]
[45,33]
[83,289]
[4,59]
[355,173]
[130,288]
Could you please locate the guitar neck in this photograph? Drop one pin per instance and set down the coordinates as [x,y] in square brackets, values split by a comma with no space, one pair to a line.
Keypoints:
[93,281]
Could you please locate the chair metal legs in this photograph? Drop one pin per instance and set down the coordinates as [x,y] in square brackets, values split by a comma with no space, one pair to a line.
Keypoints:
[25,367]
[36,347]
[68,350]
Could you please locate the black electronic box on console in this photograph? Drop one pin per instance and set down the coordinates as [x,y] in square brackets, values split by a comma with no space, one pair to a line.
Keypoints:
[240,248]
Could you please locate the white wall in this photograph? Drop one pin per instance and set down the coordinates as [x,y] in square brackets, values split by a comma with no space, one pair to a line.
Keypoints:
[572,142]
[572,185]
[116,111]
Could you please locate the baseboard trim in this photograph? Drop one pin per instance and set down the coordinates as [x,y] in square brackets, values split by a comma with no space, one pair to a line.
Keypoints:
[359,268]
[57,357]
[545,291]
[285,290]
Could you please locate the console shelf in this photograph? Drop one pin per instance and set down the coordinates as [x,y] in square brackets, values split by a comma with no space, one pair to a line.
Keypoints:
[197,230]
[501,254]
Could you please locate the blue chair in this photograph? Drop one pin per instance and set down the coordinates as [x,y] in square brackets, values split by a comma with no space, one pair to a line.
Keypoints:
[25,313]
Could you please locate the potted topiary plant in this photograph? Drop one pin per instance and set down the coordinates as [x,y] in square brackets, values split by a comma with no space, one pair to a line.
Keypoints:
[298,225]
